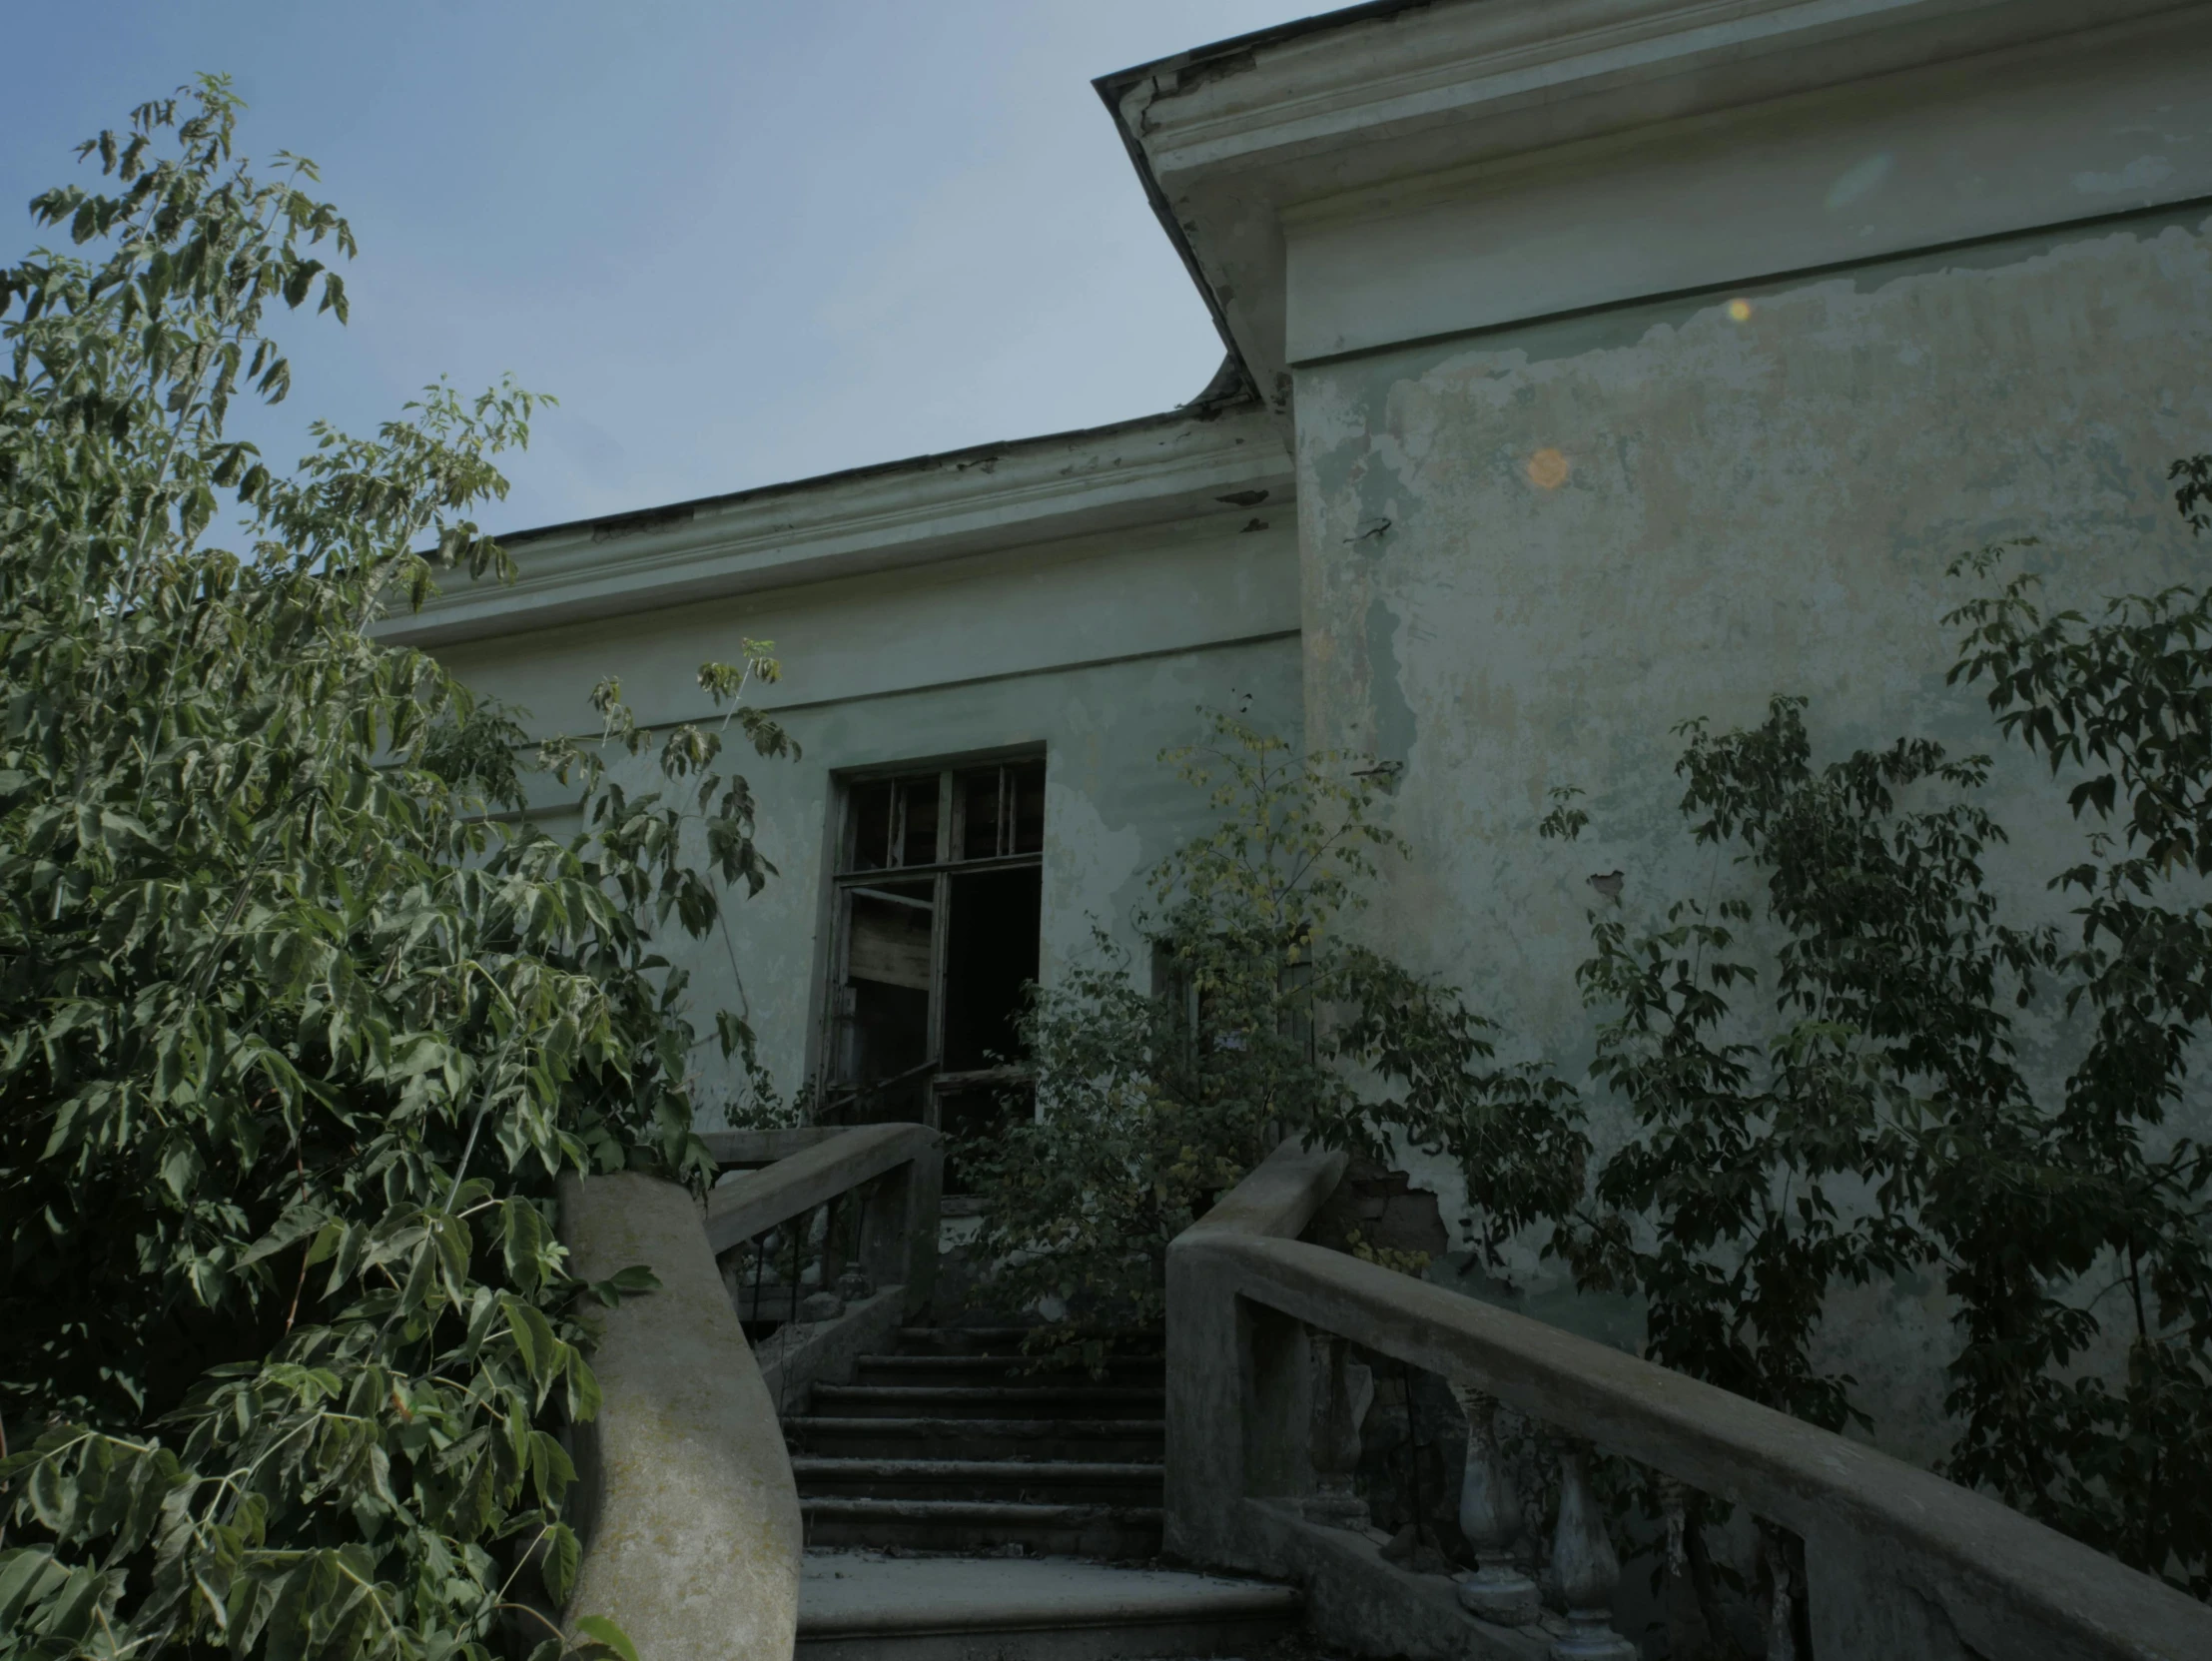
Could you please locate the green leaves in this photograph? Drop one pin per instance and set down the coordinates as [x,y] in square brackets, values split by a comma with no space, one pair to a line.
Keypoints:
[295,1036]
[1721,1210]
[2095,1190]
[623,1282]
[608,1637]
[50,1610]
[558,1567]
[1889,1120]
[1259,1019]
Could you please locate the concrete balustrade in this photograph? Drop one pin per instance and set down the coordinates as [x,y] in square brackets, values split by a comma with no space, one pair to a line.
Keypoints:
[1898,1563]
[688,1511]
[1490,1520]
[811,1168]
[686,1505]
[691,1518]
[894,1173]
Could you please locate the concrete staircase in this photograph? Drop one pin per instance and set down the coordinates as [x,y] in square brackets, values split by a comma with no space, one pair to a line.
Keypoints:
[864,1606]
[961,1507]
[953,1443]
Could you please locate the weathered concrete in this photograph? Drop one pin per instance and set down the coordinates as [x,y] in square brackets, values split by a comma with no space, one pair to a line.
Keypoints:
[1646,358]
[1943,153]
[861,1604]
[1120,479]
[1351,1588]
[1100,650]
[748,1148]
[1407,109]
[1211,1379]
[1122,1533]
[1747,508]
[795,1358]
[899,1237]
[1894,1553]
[695,1536]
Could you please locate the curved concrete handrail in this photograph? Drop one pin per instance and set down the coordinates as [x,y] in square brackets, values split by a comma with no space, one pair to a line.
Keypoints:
[687,1509]
[1887,1543]
[818,1172]
[902,1168]
[690,1512]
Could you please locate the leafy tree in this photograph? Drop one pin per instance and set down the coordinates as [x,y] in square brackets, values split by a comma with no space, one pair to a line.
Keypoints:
[1891,971]
[1261,1020]
[2105,1196]
[296,1032]
[1890,1122]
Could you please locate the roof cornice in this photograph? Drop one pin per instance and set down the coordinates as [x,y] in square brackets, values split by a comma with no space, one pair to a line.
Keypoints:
[1228,137]
[1204,461]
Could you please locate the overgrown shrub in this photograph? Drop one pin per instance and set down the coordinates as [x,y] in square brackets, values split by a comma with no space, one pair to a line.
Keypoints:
[1890,1122]
[294,1038]
[1867,1115]
[1160,1087]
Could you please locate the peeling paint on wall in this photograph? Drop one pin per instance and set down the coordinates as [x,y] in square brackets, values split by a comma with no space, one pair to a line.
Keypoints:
[1755,500]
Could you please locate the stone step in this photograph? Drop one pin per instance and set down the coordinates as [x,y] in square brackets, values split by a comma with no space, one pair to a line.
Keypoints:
[962,1341]
[993,1402]
[992,1369]
[1114,1533]
[1005,1340]
[863,1607]
[978,1438]
[1045,1483]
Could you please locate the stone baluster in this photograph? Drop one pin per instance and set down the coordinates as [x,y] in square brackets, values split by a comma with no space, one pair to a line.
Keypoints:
[834,1215]
[1674,1508]
[1343,1393]
[1781,1601]
[1687,1633]
[1584,1562]
[853,1283]
[1490,1518]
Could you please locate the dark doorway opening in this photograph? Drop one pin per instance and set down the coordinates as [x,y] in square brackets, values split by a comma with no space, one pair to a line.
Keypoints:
[941,889]
[990,956]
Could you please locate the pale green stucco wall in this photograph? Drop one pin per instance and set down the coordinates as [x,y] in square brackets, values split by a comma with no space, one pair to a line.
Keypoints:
[1751,508]
[1102,650]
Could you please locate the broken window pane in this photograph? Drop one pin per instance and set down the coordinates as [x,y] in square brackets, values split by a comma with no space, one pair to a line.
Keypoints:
[892,822]
[990,955]
[888,942]
[918,802]
[933,969]
[980,828]
[1002,810]
[870,819]
[1025,785]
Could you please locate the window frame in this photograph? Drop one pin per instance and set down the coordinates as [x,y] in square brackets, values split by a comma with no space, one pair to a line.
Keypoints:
[842,882]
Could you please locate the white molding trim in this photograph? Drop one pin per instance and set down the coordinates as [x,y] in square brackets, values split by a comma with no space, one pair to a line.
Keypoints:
[1235,136]
[2065,131]
[907,513]
[1472,60]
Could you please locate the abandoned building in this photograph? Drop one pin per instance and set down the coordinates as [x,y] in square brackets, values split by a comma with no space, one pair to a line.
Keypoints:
[1592,366]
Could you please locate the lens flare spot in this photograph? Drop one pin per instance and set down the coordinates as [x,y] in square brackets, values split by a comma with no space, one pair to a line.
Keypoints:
[1740,310]
[1547,469]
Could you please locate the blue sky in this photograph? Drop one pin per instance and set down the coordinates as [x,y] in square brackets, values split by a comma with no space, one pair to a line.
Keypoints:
[742,242]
